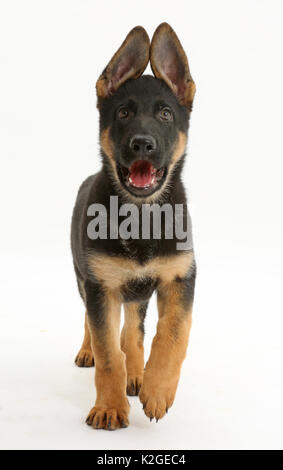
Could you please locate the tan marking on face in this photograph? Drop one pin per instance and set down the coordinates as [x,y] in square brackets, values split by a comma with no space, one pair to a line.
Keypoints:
[107,145]
[178,152]
[179,149]
[108,148]
[114,271]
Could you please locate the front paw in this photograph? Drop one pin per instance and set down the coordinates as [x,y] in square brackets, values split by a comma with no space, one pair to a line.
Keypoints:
[134,383]
[84,358]
[156,396]
[106,418]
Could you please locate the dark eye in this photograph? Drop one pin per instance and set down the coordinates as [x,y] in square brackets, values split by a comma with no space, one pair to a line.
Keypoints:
[123,113]
[165,114]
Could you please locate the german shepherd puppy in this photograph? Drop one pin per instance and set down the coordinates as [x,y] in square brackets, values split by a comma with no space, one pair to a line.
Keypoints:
[144,123]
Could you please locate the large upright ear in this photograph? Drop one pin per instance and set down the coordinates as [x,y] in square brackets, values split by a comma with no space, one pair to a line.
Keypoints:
[169,63]
[129,62]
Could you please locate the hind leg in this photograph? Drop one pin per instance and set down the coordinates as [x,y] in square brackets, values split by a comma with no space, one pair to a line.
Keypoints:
[85,357]
[132,345]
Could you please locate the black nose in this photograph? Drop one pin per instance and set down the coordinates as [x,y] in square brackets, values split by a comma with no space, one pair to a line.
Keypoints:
[142,145]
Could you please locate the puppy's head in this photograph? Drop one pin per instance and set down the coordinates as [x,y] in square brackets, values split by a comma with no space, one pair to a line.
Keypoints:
[144,119]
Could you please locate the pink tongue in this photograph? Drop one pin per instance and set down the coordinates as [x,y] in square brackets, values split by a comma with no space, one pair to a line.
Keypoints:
[142,174]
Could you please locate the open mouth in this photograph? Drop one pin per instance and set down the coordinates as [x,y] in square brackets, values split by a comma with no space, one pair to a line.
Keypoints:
[142,178]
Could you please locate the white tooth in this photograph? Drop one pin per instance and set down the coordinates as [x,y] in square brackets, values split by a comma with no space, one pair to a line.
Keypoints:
[130,179]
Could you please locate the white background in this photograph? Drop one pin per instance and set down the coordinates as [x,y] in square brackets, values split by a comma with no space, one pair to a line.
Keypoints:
[230,393]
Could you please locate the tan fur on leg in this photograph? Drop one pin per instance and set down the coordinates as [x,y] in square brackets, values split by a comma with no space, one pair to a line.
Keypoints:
[132,345]
[168,351]
[85,357]
[111,407]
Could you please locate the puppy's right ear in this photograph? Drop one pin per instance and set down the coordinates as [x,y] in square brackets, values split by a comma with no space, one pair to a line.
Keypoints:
[129,62]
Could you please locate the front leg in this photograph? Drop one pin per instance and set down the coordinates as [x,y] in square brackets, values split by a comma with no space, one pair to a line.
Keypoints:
[85,357]
[162,371]
[132,336]
[111,408]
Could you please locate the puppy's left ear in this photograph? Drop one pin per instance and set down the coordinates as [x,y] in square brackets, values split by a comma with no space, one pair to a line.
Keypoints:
[129,61]
[169,63]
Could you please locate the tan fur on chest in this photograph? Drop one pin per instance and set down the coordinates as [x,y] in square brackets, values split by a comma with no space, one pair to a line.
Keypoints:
[113,272]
